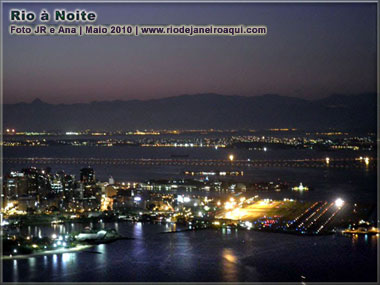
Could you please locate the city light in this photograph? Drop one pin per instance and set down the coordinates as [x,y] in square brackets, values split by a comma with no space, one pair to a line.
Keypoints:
[228,205]
[339,202]
[209,199]
[300,188]
[72,134]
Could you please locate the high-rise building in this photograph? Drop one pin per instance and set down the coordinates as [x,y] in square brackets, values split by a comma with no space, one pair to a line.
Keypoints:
[87,175]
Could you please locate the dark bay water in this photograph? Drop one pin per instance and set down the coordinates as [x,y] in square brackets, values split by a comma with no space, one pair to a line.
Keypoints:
[206,255]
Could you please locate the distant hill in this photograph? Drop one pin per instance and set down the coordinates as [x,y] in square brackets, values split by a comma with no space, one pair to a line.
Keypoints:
[202,111]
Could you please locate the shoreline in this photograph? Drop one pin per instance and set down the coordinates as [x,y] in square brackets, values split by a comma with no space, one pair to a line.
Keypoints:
[48,252]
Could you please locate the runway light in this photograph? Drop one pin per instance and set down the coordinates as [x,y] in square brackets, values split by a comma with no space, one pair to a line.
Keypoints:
[339,202]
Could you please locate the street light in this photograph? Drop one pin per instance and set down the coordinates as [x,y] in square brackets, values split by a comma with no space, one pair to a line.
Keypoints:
[231,157]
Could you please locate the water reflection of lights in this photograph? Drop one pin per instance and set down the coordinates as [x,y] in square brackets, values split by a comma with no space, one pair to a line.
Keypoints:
[66,257]
[15,270]
[354,239]
[137,230]
[32,261]
[229,265]
[228,254]
[101,258]
[62,229]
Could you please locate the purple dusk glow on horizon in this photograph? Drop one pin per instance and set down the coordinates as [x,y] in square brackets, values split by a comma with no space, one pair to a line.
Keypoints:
[310,51]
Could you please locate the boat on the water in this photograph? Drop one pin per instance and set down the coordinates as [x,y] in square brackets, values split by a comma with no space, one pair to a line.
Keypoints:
[97,235]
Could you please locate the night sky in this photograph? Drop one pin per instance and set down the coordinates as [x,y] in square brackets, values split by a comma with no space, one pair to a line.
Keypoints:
[311,51]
